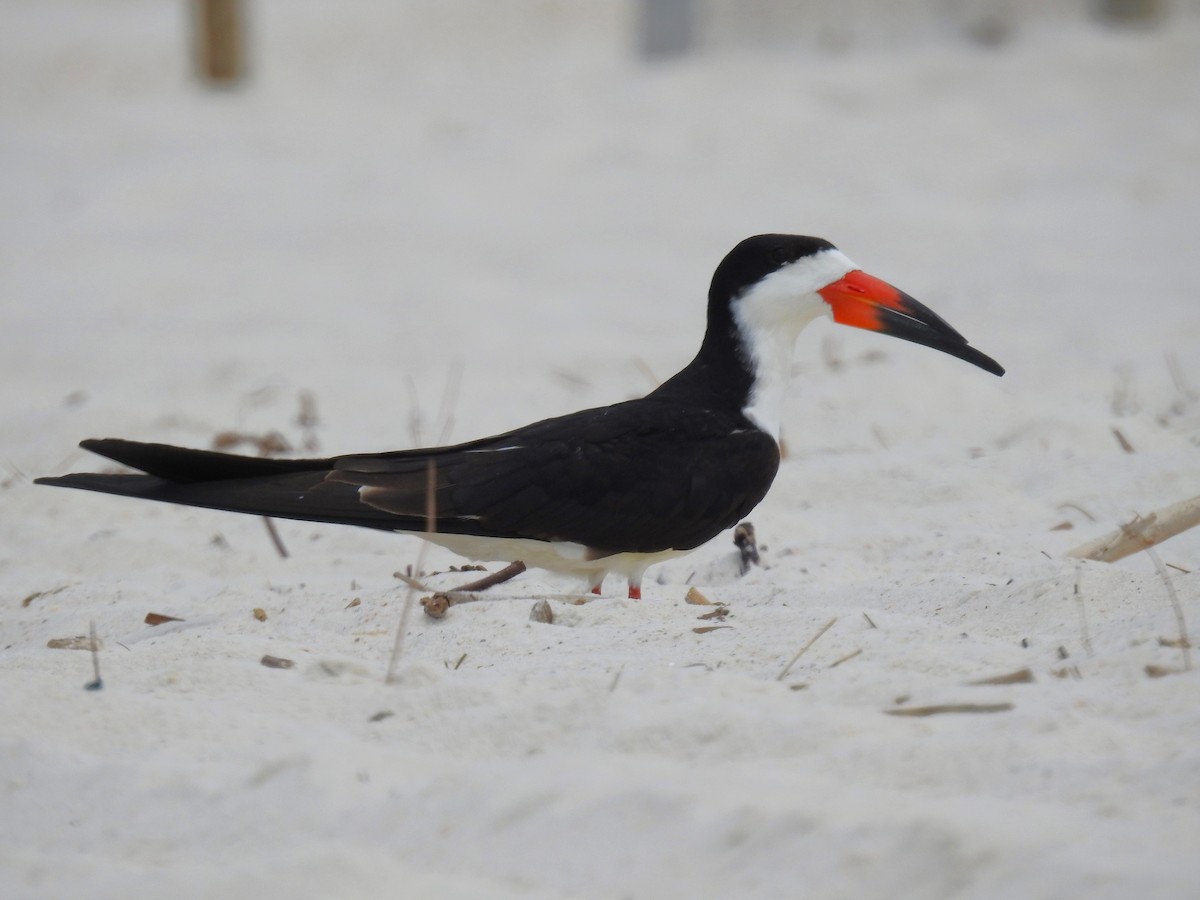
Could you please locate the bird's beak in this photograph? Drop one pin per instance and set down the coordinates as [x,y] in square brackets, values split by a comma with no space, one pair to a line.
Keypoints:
[864,301]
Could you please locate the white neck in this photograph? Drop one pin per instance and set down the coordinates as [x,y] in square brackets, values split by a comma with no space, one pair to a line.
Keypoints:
[769,318]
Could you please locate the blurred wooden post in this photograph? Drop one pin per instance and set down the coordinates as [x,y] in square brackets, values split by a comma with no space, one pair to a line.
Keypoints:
[666,28]
[1131,12]
[218,40]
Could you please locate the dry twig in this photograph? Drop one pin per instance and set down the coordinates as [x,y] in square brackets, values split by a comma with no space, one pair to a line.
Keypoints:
[1122,440]
[308,420]
[413,583]
[39,594]
[79,642]
[269,443]
[275,538]
[430,521]
[1021,676]
[812,640]
[512,570]
[439,602]
[921,711]
[97,682]
[1083,622]
[846,658]
[644,368]
[1142,532]
[1185,646]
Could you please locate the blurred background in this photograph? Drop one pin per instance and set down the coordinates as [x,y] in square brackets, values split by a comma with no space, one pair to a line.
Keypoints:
[209,207]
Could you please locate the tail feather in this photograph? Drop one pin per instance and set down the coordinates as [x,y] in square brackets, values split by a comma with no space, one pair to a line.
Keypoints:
[184,464]
[145,486]
[282,488]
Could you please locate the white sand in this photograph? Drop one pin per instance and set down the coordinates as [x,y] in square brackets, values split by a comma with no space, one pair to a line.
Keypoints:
[394,200]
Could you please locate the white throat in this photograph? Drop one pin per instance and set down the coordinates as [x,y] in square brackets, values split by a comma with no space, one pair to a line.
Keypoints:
[770,316]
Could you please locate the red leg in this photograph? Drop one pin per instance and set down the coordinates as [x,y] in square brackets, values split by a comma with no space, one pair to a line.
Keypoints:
[635,583]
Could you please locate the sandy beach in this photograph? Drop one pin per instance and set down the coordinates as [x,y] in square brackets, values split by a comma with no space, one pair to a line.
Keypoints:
[428,223]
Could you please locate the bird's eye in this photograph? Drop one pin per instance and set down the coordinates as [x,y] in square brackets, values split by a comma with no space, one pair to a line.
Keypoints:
[780,255]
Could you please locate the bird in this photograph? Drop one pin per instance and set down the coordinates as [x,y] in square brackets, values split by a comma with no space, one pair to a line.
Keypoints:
[608,490]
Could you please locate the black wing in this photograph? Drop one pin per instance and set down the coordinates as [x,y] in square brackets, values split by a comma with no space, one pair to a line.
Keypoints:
[639,476]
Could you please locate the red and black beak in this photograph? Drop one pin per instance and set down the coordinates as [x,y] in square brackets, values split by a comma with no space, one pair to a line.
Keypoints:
[864,301]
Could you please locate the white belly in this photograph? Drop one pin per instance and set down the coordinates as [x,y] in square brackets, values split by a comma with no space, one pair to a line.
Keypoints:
[562,556]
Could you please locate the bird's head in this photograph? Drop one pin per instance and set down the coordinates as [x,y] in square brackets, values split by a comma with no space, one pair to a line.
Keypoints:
[772,285]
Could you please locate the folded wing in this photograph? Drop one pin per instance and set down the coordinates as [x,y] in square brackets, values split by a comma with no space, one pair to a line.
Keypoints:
[631,477]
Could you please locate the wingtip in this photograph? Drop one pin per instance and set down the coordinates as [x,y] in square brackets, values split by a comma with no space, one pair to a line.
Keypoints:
[73,480]
[103,446]
[995,368]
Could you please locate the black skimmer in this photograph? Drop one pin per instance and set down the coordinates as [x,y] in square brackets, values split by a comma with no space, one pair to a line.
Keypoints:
[608,490]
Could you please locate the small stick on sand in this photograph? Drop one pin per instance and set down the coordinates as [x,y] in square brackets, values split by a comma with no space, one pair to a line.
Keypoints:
[411,582]
[1142,533]
[439,602]
[1021,676]
[612,685]
[1123,441]
[308,420]
[644,368]
[96,683]
[1185,645]
[1181,384]
[449,401]
[847,657]
[512,570]
[812,640]
[1076,506]
[1083,622]
[942,708]
[430,520]
[275,538]
[436,605]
